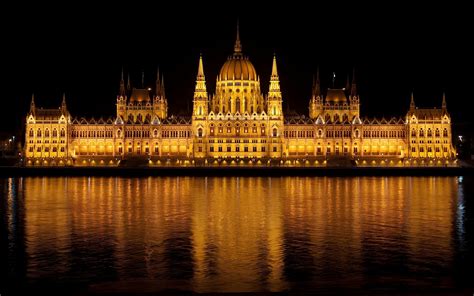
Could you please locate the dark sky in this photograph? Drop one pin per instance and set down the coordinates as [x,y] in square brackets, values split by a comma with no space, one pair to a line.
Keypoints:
[80,50]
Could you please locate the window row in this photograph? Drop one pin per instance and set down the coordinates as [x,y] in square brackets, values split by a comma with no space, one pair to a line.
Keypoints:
[54,133]
[429,133]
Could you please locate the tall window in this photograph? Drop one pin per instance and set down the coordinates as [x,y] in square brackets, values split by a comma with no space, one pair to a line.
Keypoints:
[63,132]
[31,132]
[46,133]
[237,105]
[445,132]
[38,133]
[199,132]
[55,133]
[275,132]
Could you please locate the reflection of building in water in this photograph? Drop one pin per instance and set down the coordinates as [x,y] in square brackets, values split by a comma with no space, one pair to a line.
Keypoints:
[238,125]
[233,234]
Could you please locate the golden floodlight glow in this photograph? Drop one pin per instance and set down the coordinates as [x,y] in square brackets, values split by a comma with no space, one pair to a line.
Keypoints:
[239,120]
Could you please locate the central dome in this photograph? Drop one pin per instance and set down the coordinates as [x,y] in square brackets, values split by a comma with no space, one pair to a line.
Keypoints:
[238,67]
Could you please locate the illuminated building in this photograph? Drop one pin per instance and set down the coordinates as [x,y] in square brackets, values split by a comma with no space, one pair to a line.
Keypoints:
[239,125]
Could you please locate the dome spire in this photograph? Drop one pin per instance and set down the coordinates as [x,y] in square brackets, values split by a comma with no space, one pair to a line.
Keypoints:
[237,46]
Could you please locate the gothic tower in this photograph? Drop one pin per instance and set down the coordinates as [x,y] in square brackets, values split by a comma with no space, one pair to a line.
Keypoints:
[200,111]
[160,103]
[122,98]
[316,101]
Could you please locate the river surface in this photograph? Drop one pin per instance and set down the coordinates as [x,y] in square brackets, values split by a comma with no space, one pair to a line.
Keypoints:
[237,234]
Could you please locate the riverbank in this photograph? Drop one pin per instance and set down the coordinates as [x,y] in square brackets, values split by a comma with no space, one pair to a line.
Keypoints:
[235,171]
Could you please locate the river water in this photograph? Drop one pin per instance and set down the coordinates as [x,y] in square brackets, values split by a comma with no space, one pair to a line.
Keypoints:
[237,234]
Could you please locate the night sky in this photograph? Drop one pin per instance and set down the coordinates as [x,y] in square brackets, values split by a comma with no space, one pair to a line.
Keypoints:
[80,50]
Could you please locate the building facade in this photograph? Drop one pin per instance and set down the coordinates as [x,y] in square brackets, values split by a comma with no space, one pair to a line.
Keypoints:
[239,125]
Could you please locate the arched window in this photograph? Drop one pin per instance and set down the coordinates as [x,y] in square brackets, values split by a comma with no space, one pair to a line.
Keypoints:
[130,117]
[200,110]
[46,133]
[63,133]
[274,110]
[275,132]
[55,133]
[155,133]
[356,133]
[422,134]
[38,133]
[199,132]
[445,132]
[320,133]
[437,133]
[237,105]
[430,134]
[119,133]
[413,133]
[31,132]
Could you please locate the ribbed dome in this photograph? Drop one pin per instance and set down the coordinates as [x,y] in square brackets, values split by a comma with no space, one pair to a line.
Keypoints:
[238,67]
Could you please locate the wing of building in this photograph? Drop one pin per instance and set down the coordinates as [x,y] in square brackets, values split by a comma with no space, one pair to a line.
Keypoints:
[239,125]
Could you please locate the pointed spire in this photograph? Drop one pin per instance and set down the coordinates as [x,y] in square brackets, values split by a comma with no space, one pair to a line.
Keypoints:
[129,86]
[274,68]
[143,78]
[317,85]
[237,46]
[274,90]
[63,103]
[200,91]
[122,86]
[412,101]
[443,105]
[200,75]
[163,86]
[158,83]
[354,84]
[32,104]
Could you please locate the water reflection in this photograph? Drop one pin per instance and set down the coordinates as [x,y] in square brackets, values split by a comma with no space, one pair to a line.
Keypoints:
[235,234]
